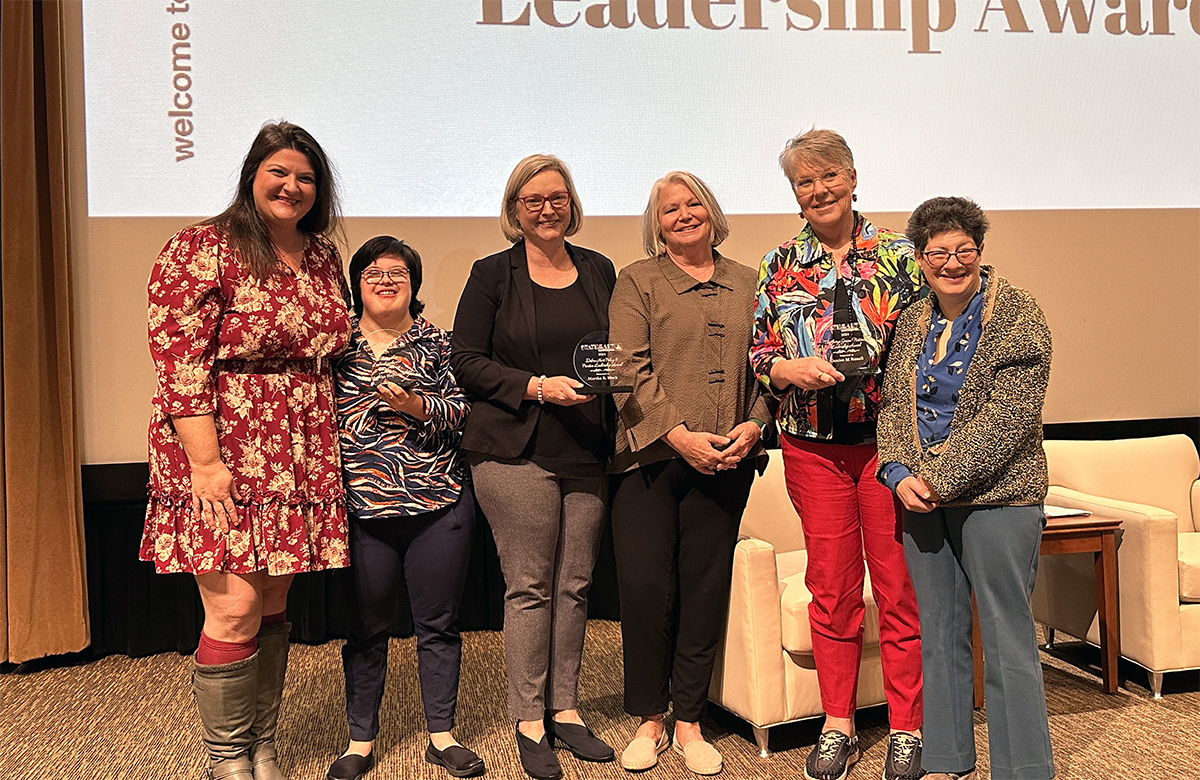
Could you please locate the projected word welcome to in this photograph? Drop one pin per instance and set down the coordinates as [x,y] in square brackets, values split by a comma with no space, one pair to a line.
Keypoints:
[1126,17]
[181,80]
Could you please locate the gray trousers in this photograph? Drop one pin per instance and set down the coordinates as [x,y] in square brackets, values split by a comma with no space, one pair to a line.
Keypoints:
[992,552]
[547,530]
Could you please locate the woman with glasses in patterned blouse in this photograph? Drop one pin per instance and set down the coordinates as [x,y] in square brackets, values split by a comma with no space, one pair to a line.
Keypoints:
[400,413]
[827,302]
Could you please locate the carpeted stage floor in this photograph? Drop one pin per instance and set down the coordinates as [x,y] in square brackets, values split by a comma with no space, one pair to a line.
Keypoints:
[134,718]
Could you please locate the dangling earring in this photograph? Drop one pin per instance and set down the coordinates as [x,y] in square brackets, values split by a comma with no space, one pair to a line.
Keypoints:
[854,197]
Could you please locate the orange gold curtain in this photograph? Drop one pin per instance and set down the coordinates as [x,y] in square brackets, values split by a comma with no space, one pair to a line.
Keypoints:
[43,598]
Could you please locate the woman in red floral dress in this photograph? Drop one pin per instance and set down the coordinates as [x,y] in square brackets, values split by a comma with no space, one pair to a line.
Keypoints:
[245,480]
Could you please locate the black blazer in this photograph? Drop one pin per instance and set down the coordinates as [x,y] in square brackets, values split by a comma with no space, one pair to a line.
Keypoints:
[494,347]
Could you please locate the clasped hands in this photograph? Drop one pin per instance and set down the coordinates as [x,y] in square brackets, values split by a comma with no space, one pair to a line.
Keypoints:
[709,453]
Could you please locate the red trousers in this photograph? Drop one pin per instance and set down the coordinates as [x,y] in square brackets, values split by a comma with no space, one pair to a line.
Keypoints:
[845,513]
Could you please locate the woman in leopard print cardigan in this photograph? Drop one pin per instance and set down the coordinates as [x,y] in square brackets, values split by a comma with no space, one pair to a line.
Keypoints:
[960,444]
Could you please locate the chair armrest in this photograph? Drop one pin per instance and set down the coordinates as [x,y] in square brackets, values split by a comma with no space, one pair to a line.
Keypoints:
[1100,505]
[1148,575]
[748,678]
[1196,505]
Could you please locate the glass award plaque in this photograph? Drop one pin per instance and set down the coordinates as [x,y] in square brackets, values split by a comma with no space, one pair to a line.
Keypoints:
[847,349]
[599,364]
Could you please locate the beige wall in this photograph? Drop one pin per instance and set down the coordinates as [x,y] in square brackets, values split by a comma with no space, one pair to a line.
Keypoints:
[1121,290]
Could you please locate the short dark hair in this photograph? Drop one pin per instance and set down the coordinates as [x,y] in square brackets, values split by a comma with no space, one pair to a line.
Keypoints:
[372,250]
[942,215]
[243,225]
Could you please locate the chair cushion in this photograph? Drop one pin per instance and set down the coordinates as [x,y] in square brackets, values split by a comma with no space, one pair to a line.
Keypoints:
[1189,567]
[795,598]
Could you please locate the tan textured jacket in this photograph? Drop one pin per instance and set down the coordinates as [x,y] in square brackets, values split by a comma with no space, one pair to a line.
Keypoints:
[689,344]
[994,453]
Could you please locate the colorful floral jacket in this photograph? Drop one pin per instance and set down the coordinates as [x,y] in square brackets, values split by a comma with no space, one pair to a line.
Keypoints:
[794,312]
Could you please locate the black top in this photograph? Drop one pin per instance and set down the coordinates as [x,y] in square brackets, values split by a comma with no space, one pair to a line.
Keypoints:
[495,346]
[569,440]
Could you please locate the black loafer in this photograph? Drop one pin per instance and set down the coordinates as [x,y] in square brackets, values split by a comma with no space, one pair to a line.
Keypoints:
[581,741]
[350,767]
[456,759]
[537,759]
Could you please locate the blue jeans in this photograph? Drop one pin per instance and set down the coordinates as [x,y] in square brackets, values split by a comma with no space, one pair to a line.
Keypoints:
[991,551]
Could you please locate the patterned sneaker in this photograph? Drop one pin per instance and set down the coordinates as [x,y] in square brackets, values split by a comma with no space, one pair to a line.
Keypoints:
[903,757]
[832,756]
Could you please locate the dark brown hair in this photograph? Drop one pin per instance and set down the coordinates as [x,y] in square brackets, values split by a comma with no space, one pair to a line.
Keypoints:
[241,223]
[942,215]
[376,248]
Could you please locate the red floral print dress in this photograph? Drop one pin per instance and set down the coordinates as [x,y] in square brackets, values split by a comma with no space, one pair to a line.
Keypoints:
[253,353]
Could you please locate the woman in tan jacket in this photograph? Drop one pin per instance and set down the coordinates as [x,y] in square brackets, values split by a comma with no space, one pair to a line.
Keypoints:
[687,442]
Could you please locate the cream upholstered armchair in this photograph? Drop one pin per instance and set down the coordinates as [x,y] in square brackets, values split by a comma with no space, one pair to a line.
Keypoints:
[1151,486]
[764,672]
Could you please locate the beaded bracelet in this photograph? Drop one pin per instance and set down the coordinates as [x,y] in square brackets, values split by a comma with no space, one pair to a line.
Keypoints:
[541,379]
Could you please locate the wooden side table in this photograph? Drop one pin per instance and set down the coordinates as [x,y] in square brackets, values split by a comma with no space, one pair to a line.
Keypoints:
[1097,535]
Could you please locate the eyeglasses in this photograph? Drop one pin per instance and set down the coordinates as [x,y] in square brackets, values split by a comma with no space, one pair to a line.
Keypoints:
[938,257]
[829,178]
[375,275]
[534,203]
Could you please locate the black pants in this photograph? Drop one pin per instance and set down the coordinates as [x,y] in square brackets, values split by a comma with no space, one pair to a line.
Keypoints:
[674,530]
[430,551]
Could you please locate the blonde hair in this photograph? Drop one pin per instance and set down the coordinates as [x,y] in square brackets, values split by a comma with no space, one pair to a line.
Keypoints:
[526,169]
[652,237]
[825,146]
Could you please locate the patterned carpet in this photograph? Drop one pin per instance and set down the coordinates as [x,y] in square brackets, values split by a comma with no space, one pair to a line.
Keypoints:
[133,718]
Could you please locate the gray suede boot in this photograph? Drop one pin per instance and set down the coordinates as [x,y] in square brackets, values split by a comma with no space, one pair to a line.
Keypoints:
[272,669]
[225,696]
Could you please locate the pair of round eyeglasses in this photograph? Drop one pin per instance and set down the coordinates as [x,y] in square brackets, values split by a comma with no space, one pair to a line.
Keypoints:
[828,179]
[376,275]
[966,256]
[535,203]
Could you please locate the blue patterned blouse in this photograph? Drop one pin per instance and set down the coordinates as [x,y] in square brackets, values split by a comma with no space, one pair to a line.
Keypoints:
[938,383]
[394,464]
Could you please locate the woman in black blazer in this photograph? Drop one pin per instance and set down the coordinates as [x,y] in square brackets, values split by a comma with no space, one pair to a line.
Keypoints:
[538,448]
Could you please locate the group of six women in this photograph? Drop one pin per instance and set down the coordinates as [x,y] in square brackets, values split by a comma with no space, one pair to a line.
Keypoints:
[285,399]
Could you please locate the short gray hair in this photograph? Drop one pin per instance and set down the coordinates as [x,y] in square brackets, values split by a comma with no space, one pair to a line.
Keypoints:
[826,146]
[652,237]
[526,169]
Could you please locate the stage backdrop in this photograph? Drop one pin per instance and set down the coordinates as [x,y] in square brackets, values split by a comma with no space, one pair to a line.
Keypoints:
[1071,121]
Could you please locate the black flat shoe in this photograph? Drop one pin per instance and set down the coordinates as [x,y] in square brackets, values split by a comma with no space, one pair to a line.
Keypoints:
[537,759]
[350,767]
[456,759]
[581,741]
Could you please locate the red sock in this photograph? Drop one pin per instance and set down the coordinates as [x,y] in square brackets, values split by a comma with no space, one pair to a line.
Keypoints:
[276,619]
[212,652]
